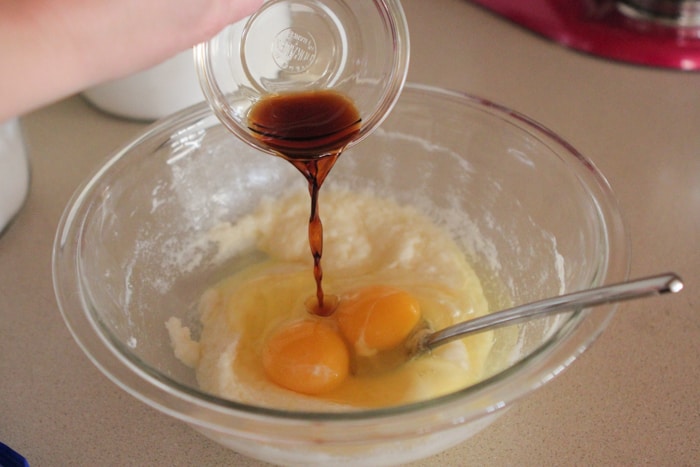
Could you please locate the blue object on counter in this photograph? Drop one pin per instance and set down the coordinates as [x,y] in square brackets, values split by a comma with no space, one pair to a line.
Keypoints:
[10,458]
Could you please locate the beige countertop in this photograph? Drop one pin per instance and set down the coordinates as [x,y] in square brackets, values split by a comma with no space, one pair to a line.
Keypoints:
[633,399]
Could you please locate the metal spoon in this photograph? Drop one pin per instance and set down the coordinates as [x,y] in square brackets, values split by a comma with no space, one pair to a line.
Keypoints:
[426,340]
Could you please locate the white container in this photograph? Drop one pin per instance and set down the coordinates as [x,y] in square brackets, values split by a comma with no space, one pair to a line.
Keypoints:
[14,171]
[150,94]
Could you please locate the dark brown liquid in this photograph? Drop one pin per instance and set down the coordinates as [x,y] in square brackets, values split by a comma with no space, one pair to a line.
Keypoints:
[310,130]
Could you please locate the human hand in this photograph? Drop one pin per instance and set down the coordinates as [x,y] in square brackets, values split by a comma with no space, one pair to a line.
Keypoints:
[53,48]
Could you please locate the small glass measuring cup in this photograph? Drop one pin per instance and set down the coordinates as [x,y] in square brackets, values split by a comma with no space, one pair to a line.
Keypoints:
[357,48]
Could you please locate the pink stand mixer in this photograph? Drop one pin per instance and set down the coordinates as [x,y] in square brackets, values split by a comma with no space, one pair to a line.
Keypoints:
[658,33]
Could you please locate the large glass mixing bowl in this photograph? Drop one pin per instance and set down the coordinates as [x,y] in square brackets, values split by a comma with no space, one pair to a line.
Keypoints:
[534,217]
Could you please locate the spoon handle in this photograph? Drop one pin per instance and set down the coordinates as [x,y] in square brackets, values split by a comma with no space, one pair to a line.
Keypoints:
[638,288]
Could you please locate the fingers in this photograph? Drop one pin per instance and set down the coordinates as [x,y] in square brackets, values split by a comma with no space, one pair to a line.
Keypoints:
[79,43]
[225,12]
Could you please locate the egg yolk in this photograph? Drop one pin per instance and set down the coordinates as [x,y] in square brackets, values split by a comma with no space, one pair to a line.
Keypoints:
[309,357]
[377,318]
